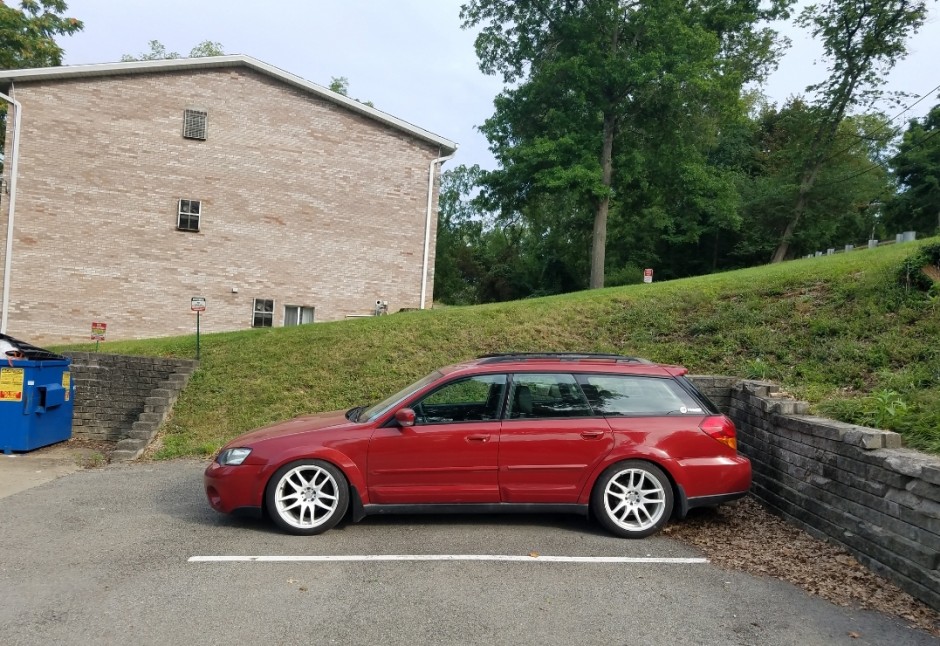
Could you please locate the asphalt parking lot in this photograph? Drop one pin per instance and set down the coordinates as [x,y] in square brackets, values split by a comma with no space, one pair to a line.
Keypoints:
[104,556]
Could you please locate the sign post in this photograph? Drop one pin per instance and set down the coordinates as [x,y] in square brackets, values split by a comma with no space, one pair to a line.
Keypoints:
[98,330]
[198,305]
[647,275]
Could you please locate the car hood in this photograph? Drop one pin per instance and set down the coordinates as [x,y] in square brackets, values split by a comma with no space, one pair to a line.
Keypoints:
[304,424]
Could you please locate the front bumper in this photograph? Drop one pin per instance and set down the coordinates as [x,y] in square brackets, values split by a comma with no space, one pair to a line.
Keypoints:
[233,488]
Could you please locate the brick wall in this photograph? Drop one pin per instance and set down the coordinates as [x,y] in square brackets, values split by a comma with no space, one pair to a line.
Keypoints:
[303,201]
[112,391]
[851,485]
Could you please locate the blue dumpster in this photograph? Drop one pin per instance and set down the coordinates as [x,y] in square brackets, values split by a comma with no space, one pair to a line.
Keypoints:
[36,396]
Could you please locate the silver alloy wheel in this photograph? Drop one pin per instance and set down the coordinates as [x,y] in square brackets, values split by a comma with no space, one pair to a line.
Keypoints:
[634,499]
[306,496]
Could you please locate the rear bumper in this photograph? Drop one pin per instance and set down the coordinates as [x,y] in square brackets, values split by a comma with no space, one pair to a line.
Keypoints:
[706,482]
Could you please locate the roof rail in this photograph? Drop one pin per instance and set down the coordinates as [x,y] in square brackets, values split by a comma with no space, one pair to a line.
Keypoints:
[559,356]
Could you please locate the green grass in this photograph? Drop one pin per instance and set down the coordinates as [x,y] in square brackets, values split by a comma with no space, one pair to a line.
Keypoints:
[838,331]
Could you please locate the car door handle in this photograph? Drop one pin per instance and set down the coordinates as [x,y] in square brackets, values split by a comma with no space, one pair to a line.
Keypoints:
[591,435]
[478,438]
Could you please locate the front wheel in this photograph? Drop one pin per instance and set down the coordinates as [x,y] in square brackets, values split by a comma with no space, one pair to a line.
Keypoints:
[632,499]
[307,497]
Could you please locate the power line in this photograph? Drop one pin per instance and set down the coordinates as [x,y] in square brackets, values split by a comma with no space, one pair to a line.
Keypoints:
[874,166]
[895,130]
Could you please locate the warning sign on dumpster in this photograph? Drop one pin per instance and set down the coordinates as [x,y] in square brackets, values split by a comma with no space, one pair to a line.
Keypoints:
[67,384]
[11,384]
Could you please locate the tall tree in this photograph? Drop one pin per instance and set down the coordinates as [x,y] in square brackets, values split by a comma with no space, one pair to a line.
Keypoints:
[862,40]
[27,34]
[844,202]
[592,76]
[158,52]
[917,169]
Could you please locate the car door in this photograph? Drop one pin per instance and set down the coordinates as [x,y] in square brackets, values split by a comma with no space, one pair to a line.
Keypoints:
[550,440]
[449,455]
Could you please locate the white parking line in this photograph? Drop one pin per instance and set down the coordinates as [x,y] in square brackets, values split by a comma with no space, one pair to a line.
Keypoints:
[532,558]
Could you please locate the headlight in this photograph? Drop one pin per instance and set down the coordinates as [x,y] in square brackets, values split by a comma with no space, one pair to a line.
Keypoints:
[232,457]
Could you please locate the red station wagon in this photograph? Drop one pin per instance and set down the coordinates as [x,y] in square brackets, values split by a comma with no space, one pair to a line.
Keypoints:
[631,441]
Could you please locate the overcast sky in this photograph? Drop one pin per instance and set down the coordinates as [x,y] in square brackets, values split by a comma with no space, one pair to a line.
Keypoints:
[409,57]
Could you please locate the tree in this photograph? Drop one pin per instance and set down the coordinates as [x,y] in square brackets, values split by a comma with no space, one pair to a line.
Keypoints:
[844,203]
[27,35]
[862,41]
[917,169]
[340,85]
[27,39]
[158,52]
[602,86]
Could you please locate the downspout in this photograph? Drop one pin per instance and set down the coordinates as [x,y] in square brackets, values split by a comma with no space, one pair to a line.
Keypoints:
[427,226]
[11,209]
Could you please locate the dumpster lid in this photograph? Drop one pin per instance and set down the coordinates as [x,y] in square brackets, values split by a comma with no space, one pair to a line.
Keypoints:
[11,348]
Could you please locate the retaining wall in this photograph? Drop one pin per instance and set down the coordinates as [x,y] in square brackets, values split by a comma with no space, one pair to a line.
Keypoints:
[848,484]
[124,399]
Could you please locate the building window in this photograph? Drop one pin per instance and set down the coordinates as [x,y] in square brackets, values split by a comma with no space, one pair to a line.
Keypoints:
[194,124]
[264,313]
[189,212]
[297,315]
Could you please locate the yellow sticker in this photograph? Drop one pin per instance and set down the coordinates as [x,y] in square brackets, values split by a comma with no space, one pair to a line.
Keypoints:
[66,382]
[11,384]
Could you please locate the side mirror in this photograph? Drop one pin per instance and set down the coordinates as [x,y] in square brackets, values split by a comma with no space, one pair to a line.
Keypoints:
[405,417]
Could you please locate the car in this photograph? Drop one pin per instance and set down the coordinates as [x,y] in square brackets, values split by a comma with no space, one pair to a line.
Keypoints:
[629,441]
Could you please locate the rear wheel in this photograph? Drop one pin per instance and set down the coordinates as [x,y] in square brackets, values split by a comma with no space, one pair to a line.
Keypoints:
[307,497]
[632,499]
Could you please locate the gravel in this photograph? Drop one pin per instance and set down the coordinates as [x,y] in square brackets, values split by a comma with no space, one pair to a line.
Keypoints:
[745,536]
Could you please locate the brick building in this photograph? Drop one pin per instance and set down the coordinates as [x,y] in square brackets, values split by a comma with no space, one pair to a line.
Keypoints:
[140,185]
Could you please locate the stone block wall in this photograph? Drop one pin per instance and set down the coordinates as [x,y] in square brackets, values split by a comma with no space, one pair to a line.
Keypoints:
[851,485]
[114,394]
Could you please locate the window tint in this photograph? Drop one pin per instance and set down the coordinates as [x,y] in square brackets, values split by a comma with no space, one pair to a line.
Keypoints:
[537,396]
[622,395]
[473,399]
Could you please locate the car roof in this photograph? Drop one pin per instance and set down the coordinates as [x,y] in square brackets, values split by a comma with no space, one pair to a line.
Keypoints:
[564,361]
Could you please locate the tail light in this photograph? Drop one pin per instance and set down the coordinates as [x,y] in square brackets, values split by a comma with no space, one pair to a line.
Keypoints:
[722,429]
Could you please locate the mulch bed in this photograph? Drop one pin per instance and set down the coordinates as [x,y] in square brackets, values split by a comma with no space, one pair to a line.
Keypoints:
[744,536]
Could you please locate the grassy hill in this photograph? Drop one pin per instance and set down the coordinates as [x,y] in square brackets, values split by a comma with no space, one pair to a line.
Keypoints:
[838,331]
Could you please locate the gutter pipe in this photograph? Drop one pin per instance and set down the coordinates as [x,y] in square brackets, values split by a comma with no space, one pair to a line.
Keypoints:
[427,226]
[8,254]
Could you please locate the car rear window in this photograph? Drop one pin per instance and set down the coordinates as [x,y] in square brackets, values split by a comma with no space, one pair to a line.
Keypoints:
[621,395]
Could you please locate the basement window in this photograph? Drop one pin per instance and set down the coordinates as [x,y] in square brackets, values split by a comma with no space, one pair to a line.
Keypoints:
[263,313]
[194,124]
[188,215]
[297,315]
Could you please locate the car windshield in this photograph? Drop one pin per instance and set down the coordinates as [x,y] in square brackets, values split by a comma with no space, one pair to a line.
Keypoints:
[373,412]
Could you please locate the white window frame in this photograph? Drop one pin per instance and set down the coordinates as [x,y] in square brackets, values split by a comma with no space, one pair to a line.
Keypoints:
[300,309]
[255,312]
[189,215]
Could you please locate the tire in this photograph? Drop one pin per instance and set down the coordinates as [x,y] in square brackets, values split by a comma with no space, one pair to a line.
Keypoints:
[633,499]
[307,497]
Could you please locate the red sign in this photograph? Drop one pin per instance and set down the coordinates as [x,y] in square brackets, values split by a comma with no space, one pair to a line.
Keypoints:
[647,275]
[98,331]
[197,304]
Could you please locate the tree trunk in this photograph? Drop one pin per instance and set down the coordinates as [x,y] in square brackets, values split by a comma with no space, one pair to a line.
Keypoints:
[809,180]
[599,239]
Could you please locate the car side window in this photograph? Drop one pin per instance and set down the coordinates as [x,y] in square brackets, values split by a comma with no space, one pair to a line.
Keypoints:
[465,400]
[536,396]
[615,395]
